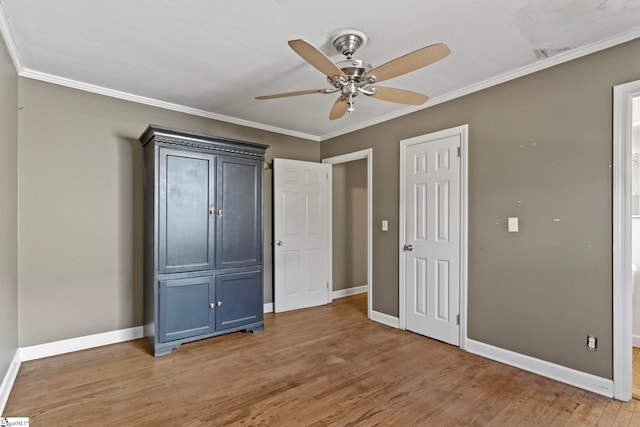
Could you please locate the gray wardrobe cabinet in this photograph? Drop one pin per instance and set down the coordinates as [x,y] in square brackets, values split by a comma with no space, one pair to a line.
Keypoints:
[203,234]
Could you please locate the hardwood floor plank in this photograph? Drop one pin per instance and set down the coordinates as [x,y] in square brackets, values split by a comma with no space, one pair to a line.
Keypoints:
[627,415]
[635,388]
[326,366]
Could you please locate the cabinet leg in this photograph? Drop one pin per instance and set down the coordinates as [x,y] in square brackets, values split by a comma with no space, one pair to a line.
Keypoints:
[256,329]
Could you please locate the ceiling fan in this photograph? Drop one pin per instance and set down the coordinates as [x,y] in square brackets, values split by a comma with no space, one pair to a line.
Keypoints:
[354,76]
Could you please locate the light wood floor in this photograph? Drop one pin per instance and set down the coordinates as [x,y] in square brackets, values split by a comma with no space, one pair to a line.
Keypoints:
[635,385]
[322,366]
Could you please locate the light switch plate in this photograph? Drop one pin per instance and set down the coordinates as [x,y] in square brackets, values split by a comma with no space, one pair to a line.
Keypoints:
[385,225]
[513,224]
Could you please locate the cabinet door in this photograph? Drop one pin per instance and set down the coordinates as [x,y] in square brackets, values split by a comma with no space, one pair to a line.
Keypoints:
[186,308]
[239,299]
[239,238]
[186,227]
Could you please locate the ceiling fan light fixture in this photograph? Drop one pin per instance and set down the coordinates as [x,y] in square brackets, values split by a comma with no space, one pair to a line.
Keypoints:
[351,100]
[354,76]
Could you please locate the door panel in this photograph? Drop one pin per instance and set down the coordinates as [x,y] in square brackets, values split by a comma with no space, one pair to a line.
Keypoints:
[184,308]
[432,195]
[186,229]
[239,299]
[301,234]
[239,209]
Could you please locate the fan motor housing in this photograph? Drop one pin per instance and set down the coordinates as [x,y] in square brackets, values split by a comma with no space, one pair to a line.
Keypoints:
[354,68]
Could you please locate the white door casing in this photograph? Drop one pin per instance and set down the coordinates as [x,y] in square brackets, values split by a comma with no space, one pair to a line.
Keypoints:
[622,241]
[433,229]
[301,234]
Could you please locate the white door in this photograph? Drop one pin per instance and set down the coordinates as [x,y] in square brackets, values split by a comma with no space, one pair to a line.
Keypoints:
[301,234]
[432,236]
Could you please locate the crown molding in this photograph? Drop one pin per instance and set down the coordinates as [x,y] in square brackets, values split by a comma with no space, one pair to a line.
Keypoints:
[49,78]
[9,41]
[496,80]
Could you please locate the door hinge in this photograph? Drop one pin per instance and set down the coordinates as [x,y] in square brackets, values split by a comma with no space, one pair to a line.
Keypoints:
[458,319]
[459,151]
[327,285]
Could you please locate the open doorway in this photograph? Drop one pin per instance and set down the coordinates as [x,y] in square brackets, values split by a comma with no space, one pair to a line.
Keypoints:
[349,233]
[351,221]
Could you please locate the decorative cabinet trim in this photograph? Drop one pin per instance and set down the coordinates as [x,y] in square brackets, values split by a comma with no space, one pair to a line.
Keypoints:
[196,141]
[206,146]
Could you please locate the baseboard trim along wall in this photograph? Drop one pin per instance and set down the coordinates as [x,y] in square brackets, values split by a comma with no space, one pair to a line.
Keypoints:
[560,373]
[636,341]
[385,319]
[268,307]
[81,343]
[349,291]
[8,380]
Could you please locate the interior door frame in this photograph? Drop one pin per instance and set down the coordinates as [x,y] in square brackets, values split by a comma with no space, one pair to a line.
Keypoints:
[461,131]
[344,158]
[622,278]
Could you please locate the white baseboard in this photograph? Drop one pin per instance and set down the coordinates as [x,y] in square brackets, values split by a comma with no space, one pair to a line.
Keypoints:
[385,319]
[636,341]
[560,373]
[349,291]
[81,343]
[8,380]
[268,307]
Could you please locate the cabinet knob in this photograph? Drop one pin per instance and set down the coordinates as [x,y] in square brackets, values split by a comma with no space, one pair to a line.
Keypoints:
[219,303]
[212,210]
[279,243]
[212,305]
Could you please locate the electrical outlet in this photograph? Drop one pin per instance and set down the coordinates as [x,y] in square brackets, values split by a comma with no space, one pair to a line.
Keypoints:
[592,343]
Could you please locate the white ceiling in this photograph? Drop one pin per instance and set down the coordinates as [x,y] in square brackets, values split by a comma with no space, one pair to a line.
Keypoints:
[212,58]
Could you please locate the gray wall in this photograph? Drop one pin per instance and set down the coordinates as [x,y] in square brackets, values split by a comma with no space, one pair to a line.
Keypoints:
[349,202]
[8,211]
[540,148]
[80,205]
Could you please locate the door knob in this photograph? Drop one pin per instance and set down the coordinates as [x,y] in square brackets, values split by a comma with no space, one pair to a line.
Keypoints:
[408,248]
[279,243]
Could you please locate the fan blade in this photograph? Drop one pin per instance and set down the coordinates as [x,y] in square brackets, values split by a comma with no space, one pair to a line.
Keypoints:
[316,58]
[410,62]
[283,95]
[400,96]
[339,108]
